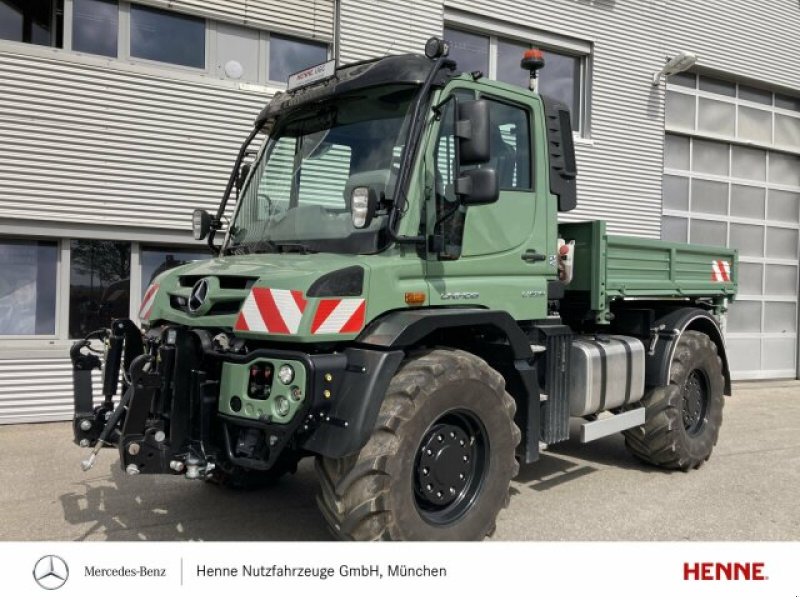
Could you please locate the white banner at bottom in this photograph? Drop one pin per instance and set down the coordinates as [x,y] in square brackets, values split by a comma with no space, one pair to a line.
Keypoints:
[436,570]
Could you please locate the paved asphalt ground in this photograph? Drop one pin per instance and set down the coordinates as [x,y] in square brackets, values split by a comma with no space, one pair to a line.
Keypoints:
[748,491]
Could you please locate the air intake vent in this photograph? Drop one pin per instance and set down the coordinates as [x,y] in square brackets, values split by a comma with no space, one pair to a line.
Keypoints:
[226,282]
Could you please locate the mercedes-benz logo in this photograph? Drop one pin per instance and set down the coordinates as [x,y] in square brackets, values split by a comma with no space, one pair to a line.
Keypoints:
[50,572]
[197,298]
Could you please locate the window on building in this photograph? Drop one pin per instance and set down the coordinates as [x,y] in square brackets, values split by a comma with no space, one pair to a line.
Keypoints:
[288,55]
[94,26]
[32,21]
[28,287]
[469,49]
[155,260]
[168,37]
[561,79]
[99,286]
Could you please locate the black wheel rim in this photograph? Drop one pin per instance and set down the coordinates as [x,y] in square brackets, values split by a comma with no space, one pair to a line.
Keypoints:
[695,402]
[450,466]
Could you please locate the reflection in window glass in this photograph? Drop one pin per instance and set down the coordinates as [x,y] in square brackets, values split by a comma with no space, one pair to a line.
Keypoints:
[28,287]
[32,21]
[717,86]
[94,26]
[11,21]
[157,260]
[561,79]
[288,55]
[509,55]
[99,286]
[168,37]
[469,50]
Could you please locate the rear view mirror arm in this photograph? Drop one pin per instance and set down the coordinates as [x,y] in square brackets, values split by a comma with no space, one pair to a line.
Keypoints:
[216,223]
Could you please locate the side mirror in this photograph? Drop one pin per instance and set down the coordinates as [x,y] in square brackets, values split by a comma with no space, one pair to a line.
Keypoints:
[363,204]
[478,186]
[244,171]
[472,131]
[201,223]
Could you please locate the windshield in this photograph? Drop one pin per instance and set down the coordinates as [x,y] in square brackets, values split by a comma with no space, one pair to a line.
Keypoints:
[298,194]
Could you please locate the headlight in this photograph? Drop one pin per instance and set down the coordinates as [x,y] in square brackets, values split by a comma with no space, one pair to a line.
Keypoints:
[363,203]
[282,406]
[286,374]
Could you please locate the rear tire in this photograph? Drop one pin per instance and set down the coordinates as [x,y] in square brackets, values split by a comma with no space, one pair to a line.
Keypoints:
[439,461]
[684,417]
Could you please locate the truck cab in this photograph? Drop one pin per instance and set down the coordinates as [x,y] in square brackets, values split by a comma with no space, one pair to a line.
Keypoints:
[393,295]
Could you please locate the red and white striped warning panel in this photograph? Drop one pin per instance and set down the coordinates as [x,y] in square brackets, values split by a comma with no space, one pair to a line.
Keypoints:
[271,311]
[345,315]
[148,301]
[720,271]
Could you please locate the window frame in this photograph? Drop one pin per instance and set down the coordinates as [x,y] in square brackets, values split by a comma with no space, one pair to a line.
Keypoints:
[551,44]
[58,320]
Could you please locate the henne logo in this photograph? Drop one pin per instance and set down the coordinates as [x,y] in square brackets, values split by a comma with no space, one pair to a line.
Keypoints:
[730,571]
[50,572]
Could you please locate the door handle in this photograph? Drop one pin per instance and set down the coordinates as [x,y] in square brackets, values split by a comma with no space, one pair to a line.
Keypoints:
[533,256]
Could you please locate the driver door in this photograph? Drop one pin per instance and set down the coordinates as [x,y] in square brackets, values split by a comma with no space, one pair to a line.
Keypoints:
[498,255]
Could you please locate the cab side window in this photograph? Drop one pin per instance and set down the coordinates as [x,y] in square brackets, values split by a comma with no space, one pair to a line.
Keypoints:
[510,146]
[511,157]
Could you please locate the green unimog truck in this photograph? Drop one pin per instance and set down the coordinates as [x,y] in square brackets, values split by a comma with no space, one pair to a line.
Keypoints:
[394,295]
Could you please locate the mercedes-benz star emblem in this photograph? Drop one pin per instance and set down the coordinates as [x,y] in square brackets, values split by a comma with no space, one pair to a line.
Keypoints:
[50,572]
[198,296]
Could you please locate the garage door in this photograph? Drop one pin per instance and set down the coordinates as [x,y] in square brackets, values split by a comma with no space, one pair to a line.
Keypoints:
[732,177]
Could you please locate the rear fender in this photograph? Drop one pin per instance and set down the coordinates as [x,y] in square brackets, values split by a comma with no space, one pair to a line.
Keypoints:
[671,327]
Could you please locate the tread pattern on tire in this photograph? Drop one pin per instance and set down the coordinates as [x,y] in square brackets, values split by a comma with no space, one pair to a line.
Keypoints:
[661,440]
[354,491]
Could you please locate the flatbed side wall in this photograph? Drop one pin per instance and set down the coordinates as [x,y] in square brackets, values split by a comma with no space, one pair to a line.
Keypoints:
[608,267]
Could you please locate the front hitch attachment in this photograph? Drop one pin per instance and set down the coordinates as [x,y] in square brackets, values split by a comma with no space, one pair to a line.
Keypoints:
[97,426]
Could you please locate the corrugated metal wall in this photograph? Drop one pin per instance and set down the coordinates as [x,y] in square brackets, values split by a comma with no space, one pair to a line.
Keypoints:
[304,17]
[95,145]
[751,39]
[35,389]
[371,28]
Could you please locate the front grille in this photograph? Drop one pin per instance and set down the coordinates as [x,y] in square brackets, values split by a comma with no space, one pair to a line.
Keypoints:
[223,307]
[226,307]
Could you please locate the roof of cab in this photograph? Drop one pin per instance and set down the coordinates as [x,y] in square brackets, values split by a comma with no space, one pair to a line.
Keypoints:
[410,69]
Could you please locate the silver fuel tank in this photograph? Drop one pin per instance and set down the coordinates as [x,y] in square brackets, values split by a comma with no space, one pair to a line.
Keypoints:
[607,371]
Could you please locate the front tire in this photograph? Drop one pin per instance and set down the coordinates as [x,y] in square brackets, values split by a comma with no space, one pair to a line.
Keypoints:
[439,461]
[684,417]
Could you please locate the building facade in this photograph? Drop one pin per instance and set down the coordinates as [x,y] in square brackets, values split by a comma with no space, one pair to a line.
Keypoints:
[117,118]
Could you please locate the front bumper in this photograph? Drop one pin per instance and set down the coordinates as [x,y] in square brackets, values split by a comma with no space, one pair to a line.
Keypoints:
[185,404]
